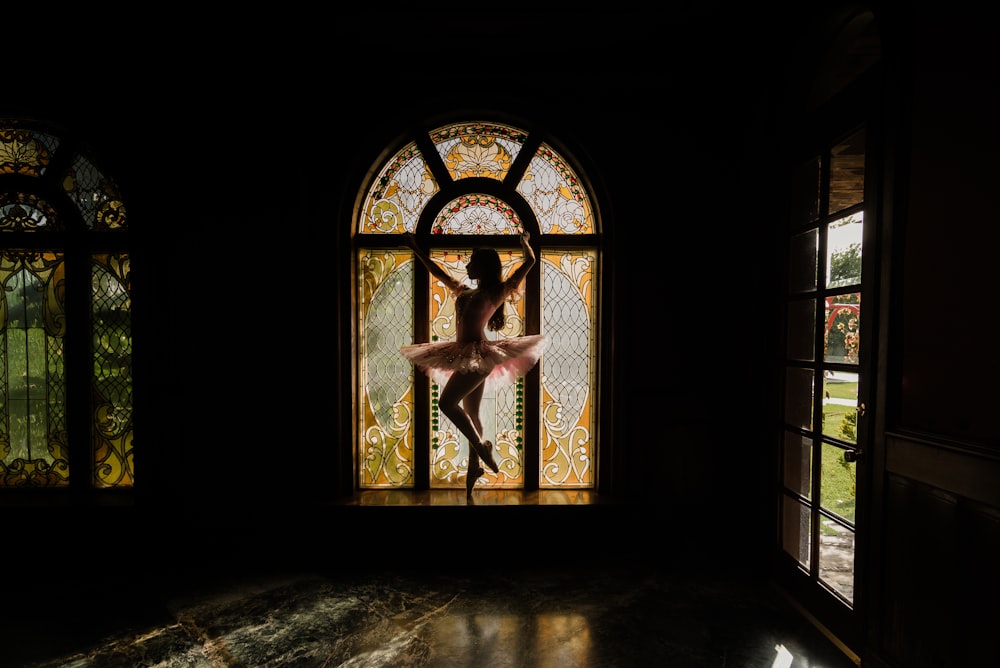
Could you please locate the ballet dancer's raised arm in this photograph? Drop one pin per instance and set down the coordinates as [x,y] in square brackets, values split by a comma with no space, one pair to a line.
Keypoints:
[514,280]
[433,267]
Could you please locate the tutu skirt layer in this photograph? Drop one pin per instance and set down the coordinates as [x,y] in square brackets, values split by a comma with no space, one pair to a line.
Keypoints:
[500,361]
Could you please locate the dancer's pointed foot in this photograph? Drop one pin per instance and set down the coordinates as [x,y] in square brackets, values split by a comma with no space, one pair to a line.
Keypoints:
[485,452]
[475,470]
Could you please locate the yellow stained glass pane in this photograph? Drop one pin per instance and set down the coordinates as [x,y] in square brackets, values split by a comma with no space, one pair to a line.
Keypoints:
[385,378]
[399,194]
[568,413]
[111,321]
[25,152]
[478,149]
[556,195]
[501,408]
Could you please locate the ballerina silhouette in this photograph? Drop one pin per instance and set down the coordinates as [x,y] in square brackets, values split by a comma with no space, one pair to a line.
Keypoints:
[468,364]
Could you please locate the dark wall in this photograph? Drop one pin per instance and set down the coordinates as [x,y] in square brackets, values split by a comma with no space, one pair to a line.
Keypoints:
[948,328]
[240,148]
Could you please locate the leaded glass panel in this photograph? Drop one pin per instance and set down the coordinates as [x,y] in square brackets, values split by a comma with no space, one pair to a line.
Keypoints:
[569,318]
[33,438]
[399,194]
[556,195]
[478,149]
[548,199]
[100,205]
[25,152]
[23,212]
[501,408]
[385,305]
[477,214]
[37,281]
[111,318]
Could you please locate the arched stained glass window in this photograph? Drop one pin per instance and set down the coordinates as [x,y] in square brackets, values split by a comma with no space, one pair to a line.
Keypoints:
[65,317]
[457,187]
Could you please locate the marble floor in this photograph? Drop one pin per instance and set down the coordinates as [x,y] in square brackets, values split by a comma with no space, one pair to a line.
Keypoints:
[221,593]
[556,617]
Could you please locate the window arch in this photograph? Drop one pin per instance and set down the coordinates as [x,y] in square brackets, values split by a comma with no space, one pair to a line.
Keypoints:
[458,186]
[65,316]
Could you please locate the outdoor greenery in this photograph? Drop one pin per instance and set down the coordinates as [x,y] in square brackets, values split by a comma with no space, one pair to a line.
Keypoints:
[839,480]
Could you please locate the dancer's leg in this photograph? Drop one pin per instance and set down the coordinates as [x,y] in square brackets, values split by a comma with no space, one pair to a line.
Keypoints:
[471,405]
[458,387]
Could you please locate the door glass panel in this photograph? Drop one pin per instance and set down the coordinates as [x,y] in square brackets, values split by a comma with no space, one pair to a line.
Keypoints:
[844,245]
[838,483]
[799,398]
[802,262]
[836,557]
[847,172]
[798,463]
[801,330]
[843,328]
[795,530]
[840,401]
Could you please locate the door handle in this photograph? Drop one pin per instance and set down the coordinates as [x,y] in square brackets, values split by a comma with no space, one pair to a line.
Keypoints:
[853,455]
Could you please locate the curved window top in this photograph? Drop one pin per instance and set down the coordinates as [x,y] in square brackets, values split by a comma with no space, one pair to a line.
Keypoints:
[30,153]
[477,214]
[25,152]
[478,149]
[24,212]
[555,194]
[546,185]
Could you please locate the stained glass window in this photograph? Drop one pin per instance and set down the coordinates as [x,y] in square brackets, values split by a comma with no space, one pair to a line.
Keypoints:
[458,187]
[52,282]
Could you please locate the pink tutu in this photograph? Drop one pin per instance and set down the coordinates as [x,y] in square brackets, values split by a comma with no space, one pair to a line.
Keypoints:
[501,361]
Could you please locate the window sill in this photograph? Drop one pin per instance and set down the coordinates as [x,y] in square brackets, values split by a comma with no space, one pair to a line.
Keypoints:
[480,497]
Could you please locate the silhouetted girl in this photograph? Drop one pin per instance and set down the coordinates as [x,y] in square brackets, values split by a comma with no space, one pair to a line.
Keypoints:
[466,365]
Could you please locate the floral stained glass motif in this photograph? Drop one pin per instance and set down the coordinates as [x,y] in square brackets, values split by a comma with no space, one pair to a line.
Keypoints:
[501,182]
[39,299]
[399,194]
[385,303]
[25,152]
[478,149]
[477,214]
[569,319]
[556,195]
[501,408]
[406,183]
[24,212]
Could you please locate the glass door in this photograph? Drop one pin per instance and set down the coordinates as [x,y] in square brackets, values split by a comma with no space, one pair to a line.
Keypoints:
[822,446]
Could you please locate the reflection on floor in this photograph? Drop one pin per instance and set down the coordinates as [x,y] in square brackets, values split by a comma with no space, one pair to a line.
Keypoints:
[541,618]
[222,598]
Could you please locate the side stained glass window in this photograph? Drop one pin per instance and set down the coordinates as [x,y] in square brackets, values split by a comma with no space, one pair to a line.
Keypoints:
[64,259]
[457,187]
